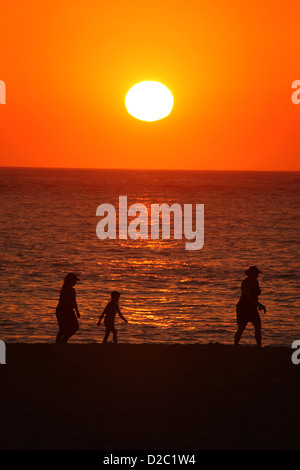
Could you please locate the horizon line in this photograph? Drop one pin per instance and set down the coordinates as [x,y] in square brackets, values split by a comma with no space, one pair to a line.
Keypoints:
[144,169]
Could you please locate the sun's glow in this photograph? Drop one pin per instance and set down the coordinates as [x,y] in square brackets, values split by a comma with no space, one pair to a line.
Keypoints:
[149,101]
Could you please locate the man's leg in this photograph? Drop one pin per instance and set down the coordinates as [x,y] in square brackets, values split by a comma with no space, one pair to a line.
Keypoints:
[240,330]
[257,327]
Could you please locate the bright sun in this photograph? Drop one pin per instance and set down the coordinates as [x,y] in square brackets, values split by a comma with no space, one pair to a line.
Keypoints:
[149,101]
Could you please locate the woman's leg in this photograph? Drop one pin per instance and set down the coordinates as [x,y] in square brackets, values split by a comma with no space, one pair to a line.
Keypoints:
[66,335]
[69,332]
[59,337]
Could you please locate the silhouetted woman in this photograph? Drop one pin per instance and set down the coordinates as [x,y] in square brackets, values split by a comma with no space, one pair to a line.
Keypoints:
[66,317]
[248,305]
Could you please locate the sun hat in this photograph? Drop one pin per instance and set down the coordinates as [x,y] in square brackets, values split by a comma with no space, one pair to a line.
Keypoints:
[71,276]
[252,269]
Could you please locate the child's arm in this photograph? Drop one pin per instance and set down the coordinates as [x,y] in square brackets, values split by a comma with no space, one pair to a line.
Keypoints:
[101,316]
[120,314]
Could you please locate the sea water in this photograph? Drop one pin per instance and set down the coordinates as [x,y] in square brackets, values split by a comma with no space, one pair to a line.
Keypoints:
[169,295]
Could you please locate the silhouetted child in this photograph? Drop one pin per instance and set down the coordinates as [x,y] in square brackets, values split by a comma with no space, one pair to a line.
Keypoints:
[110,312]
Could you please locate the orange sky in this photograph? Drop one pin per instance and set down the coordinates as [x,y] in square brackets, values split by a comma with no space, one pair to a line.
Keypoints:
[230,65]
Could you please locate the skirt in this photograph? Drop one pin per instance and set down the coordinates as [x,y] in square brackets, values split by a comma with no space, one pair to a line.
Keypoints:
[67,321]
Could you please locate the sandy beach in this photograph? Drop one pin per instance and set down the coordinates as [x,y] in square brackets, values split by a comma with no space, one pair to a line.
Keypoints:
[130,397]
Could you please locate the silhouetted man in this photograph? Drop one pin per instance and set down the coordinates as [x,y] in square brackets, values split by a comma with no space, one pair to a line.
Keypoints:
[248,305]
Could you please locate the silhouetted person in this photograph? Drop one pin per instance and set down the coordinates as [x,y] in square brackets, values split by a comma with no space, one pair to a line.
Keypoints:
[66,308]
[248,305]
[110,312]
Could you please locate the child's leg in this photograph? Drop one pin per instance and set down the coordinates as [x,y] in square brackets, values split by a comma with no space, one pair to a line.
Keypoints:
[106,335]
[115,335]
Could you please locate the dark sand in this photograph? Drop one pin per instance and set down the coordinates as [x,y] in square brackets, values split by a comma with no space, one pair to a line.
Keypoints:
[92,396]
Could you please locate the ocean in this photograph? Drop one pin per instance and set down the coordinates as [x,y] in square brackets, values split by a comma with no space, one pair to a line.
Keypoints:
[168,294]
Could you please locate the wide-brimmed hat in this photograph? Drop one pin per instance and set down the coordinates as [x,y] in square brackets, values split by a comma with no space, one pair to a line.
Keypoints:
[252,269]
[71,277]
